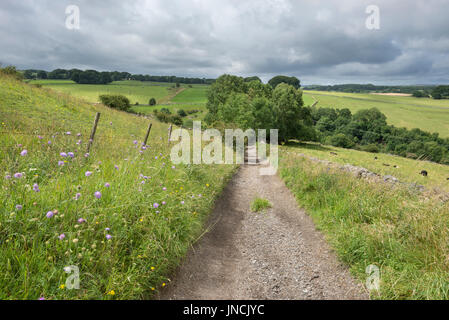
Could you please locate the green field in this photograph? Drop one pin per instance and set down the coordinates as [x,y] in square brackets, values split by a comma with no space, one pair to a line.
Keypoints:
[423,113]
[127,238]
[197,94]
[136,91]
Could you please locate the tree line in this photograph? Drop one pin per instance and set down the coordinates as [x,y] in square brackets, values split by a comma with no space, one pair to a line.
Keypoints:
[368,130]
[232,101]
[97,77]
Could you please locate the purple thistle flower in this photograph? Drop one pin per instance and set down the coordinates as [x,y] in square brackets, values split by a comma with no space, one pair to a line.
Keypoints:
[81,220]
[182,202]
[18,175]
[155,205]
[7,177]
[41,298]
[163,202]
[40,137]
[108,236]
[107,185]
[19,207]
[50,214]
[88,173]
[68,133]
[142,182]
[78,142]
[71,155]
[60,163]
[135,141]
[164,188]
[36,187]
[77,196]
[19,145]
[173,167]
[78,134]
[61,236]
[200,195]
[49,142]
[116,167]
[97,194]
[107,229]
[86,155]
[63,154]
[24,153]
[155,157]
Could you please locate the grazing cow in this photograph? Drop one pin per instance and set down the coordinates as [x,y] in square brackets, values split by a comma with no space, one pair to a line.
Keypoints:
[375,158]
[334,153]
[424,173]
[386,164]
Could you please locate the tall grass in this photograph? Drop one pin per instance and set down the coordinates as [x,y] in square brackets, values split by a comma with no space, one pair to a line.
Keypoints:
[395,228]
[126,242]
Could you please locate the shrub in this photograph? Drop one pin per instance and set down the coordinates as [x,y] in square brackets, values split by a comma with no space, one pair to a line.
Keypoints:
[115,101]
[167,117]
[371,148]
[182,113]
[11,71]
[152,102]
[340,140]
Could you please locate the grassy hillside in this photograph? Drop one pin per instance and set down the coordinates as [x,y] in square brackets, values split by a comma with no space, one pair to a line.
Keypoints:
[397,229]
[424,113]
[124,214]
[406,170]
[136,91]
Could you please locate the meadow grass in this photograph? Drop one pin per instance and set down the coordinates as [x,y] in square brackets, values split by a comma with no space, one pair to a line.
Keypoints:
[260,204]
[409,112]
[128,238]
[392,227]
[196,94]
[135,91]
[406,170]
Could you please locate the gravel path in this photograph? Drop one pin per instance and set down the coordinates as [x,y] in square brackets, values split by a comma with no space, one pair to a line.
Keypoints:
[277,254]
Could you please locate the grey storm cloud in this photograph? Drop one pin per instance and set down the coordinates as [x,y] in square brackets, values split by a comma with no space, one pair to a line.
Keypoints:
[319,41]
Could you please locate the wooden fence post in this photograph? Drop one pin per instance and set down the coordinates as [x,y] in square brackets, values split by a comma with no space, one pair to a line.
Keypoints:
[169,134]
[148,133]
[94,129]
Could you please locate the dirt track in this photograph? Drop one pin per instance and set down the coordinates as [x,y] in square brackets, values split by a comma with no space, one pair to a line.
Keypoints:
[273,255]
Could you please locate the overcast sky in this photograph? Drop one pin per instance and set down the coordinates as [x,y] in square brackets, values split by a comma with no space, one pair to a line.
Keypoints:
[319,41]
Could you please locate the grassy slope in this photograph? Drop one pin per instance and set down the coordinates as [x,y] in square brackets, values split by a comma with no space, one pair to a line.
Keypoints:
[396,229]
[408,170]
[189,98]
[147,242]
[427,114]
[136,91]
